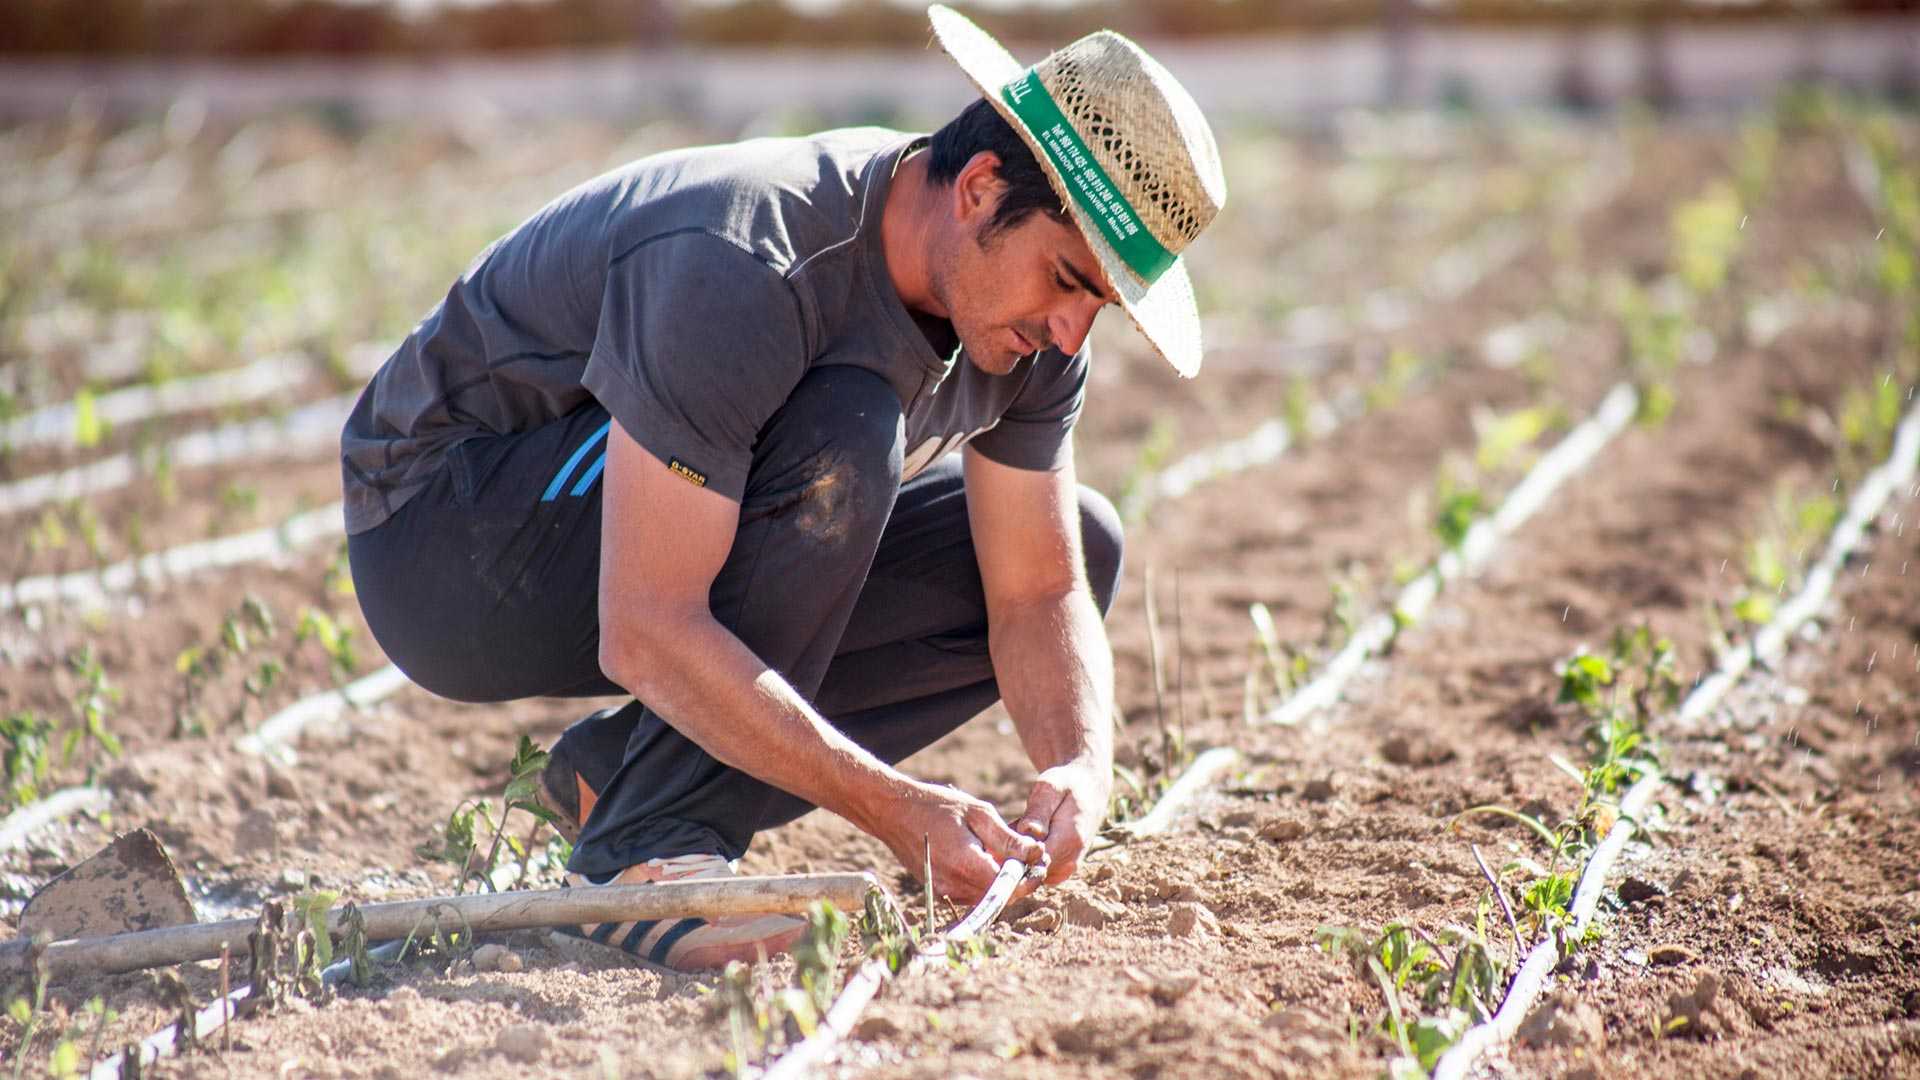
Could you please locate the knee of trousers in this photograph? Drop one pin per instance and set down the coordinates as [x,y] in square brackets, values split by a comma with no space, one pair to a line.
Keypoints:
[1102,545]
[829,461]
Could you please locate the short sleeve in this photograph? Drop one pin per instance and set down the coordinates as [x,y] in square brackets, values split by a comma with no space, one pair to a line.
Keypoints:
[1036,430]
[699,342]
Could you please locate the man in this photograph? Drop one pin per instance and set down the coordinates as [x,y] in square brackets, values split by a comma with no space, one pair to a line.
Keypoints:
[684,435]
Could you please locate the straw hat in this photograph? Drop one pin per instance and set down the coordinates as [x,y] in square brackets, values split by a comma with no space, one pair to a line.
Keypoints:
[1129,153]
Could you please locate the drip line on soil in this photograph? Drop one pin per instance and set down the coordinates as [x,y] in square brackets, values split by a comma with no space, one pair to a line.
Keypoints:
[270,739]
[58,425]
[812,1052]
[16,828]
[1198,777]
[1772,639]
[303,431]
[209,1020]
[90,589]
[1573,453]
[274,735]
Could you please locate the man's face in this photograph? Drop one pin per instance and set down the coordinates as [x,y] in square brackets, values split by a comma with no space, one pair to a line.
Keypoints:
[1018,290]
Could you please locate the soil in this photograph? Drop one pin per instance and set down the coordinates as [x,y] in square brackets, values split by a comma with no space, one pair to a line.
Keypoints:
[1781,880]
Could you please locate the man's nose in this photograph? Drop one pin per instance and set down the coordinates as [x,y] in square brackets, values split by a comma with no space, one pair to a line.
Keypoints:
[1070,326]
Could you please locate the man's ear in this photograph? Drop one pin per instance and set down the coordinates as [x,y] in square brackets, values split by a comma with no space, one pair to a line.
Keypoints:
[977,189]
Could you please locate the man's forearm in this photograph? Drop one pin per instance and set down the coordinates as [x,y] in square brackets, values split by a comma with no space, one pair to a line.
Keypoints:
[706,683]
[1055,671]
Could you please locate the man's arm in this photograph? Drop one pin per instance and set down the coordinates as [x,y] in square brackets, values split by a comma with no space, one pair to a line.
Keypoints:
[1050,652]
[663,541]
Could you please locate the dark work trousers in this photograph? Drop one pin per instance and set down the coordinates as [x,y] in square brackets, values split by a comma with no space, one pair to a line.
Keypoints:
[862,592]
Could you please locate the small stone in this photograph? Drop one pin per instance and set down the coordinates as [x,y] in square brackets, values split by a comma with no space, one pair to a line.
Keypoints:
[1092,911]
[1671,955]
[257,834]
[293,878]
[875,1028]
[1101,874]
[1561,1021]
[497,958]
[1318,790]
[1191,920]
[1282,830]
[524,1043]
[1636,890]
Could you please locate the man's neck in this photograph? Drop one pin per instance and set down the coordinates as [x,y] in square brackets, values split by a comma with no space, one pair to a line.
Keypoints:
[913,205]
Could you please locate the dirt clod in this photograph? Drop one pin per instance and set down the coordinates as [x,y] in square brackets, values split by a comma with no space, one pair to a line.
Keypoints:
[1418,751]
[1695,1012]
[525,1043]
[257,834]
[1318,790]
[1165,988]
[1044,920]
[1092,911]
[1282,830]
[1671,954]
[497,958]
[871,1028]
[1637,890]
[1564,1021]
[1190,920]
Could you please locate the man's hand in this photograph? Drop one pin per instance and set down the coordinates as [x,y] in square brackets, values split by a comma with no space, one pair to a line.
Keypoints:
[1064,812]
[967,837]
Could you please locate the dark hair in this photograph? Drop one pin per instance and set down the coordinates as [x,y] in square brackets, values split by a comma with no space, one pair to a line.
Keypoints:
[980,127]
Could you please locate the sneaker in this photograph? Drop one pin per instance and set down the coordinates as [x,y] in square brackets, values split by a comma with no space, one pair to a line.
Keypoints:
[691,944]
[579,766]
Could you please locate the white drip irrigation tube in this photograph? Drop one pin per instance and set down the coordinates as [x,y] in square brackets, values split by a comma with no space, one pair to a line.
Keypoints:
[209,1020]
[1262,446]
[1198,777]
[1572,454]
[304,431]
[18,826]
[273,738]
[91,588]
[57,425]
[1769,643]
[813,1051]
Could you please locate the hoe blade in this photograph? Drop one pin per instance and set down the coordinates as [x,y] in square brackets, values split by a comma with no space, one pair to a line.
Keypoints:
[131,884]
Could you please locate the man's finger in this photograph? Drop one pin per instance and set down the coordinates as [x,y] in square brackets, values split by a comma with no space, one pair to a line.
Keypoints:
[1000,841]
[1042,803]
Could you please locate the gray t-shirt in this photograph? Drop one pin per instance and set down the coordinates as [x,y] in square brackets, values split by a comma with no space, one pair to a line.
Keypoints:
[688,293]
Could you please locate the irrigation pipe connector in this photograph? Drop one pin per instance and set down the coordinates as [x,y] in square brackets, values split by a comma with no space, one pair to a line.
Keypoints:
[813,1051]
[482,912]
[91,588]
[16,827]
[274,737]
[1571,455]
[1769,643]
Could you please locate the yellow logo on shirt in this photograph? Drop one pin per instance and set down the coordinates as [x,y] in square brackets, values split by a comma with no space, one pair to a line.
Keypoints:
[692,476]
